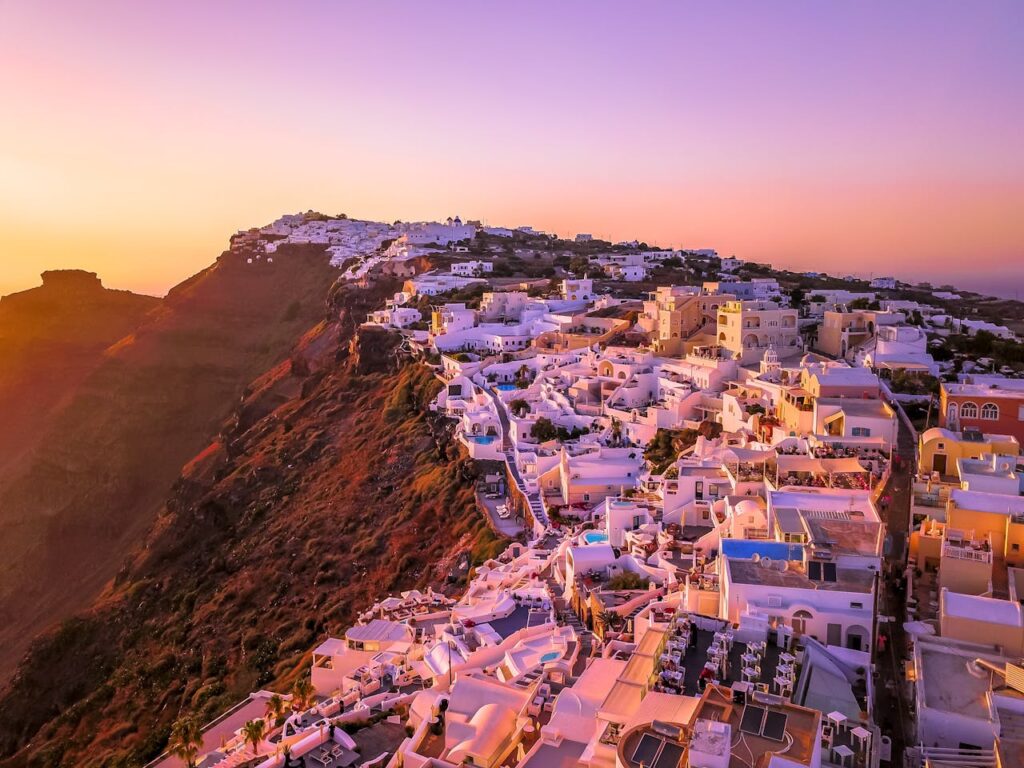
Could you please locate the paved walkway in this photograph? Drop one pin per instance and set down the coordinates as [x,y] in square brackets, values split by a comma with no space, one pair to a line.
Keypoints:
[507,526]
[533,497]
[892,711]
[566,614]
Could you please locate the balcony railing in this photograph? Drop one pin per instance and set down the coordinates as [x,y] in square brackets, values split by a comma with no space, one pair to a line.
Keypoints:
[967,552]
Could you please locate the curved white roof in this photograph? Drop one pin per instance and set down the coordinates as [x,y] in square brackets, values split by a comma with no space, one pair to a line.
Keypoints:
[987,609]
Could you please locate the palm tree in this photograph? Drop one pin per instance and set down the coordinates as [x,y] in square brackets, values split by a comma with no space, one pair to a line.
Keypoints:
[275,707]
[186,739]
[609,619]
[302,694]
[254,731]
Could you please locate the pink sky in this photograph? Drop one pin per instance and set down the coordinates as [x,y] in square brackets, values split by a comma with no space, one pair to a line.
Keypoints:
[852,137]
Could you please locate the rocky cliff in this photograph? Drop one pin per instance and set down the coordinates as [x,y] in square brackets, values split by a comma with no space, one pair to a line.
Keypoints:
[51,338]
[154,383]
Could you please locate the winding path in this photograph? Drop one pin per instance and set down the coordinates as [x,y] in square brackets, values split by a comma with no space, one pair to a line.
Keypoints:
[532,497]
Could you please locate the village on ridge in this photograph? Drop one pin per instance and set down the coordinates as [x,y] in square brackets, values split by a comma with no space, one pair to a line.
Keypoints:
[750,525]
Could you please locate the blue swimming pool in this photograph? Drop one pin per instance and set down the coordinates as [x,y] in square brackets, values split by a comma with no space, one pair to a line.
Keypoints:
[550,656]
[482,439]
[595,537]
[507,387]
[744,549]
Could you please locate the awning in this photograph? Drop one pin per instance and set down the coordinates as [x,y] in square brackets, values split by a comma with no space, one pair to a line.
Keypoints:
[801,464]
[899,365]
[752,455]
[844,465]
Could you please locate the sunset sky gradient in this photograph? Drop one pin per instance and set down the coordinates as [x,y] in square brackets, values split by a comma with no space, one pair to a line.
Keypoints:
[844,137]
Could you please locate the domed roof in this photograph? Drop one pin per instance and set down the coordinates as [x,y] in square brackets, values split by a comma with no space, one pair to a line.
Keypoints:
[748,507]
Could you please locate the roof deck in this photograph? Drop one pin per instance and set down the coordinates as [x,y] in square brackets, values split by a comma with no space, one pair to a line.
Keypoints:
[694,658]
[762,727]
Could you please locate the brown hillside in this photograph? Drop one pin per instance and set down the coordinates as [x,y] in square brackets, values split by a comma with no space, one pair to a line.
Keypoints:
[107,456]
[330,486]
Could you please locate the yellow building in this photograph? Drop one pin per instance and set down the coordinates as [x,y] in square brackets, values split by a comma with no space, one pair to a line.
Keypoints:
[982,535]
[796,411]
[748,328]
[939,449]
[674,314]
[842,332]
[983,620]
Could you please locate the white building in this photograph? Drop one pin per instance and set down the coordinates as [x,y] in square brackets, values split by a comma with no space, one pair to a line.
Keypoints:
[757,289]
[395,317]
[450,318]
[730,264]
[473,268]
[504,305]
[435,233]
[897,347]
[434,283]
[578,290]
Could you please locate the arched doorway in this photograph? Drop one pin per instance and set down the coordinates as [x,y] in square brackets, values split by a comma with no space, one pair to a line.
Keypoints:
[857,638]
[799,622]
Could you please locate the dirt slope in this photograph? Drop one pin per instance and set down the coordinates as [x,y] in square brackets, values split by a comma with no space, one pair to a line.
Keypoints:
[331,485]
[112,445]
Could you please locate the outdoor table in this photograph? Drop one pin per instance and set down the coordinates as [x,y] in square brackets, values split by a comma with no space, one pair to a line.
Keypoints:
[843,752]
[838,718]
[862,735]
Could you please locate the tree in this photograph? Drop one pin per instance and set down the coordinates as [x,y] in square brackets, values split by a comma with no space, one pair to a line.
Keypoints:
[302,694]
[579,265]
[519,407]
[616,431]
[253,732]
[275,707]
[982,342]
[610,620]
[186,739]
[543,429]
[627,580]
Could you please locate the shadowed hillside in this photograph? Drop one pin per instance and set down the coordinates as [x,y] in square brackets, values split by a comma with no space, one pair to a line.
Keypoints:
[331,485]
[113,444]
[51,338]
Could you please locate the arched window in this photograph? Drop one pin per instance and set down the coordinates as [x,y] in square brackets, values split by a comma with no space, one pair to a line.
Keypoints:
[968,411]
[951,412]
[990,411]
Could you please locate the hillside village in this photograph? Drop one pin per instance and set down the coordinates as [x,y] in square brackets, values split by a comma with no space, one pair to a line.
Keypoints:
[754,518]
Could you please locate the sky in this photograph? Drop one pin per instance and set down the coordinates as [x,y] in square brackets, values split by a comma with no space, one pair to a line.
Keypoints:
[864,137]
